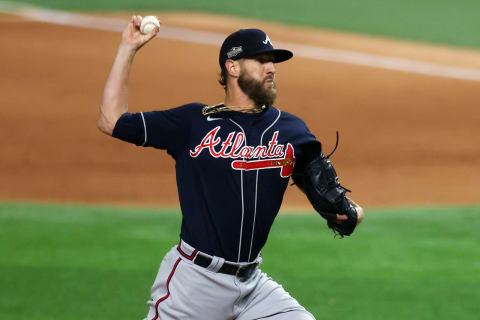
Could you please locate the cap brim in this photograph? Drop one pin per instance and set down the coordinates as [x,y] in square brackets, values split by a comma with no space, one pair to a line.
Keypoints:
[279,55]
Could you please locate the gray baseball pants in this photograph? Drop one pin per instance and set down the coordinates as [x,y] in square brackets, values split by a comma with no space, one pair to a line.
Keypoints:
[184,290]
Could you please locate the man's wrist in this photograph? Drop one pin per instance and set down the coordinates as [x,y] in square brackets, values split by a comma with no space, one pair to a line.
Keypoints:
[127,50]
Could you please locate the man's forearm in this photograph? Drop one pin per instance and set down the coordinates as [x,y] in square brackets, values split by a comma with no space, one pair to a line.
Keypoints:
[115,93]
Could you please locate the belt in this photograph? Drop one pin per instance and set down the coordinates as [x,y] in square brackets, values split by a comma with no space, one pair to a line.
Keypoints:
[243,272]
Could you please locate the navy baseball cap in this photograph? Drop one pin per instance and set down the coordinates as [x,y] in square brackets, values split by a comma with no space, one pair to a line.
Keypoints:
[248,43]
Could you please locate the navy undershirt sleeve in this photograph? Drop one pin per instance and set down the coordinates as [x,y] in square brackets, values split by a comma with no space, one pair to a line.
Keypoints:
[166,129]
[307,148]
[129,128]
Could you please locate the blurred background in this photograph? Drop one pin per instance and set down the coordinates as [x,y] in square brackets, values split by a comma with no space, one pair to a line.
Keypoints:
[82,213]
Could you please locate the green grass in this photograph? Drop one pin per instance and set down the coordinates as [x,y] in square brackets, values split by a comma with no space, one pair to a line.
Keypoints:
[438,21]
[73,262]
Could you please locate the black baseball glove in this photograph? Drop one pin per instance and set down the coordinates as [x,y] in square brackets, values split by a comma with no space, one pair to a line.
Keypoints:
[319,181]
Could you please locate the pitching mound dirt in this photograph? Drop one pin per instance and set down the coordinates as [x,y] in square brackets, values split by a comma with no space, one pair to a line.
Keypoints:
[405,139]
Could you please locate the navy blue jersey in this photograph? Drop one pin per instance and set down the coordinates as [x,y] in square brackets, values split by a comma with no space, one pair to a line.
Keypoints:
[232,170]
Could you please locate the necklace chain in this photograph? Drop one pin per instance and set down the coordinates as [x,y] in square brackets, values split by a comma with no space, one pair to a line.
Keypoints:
[218,108]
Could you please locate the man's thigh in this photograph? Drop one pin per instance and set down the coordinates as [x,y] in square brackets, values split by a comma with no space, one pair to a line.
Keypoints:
[183,290]
[269,300]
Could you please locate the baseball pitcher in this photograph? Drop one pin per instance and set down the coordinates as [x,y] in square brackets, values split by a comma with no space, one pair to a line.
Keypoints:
[233,164]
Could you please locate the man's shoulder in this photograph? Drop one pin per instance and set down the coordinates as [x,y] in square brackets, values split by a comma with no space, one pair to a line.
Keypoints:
[192,106]
[192,109]
[287,116]
[195,105]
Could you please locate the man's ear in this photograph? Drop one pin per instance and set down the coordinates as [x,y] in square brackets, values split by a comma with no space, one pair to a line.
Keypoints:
[233,68]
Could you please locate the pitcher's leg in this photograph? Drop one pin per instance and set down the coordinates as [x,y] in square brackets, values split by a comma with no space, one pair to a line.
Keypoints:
[291,315]
[269,300]
[183,290]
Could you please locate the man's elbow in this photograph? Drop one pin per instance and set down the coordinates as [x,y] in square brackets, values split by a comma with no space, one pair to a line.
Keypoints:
[105,126]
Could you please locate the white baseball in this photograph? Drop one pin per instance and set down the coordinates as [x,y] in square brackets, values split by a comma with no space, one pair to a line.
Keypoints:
[148,24]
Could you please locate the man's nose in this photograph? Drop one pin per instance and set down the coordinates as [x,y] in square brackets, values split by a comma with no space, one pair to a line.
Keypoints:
[270,68]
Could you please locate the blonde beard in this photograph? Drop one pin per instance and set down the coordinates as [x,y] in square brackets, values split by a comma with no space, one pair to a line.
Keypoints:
[257,90]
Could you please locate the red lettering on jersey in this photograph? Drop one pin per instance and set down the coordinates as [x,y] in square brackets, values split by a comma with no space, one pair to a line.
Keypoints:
[278,151]
[237,144]
[208,142]
[246,152]
[272,144]
[226,144]
[273,155]
[260,152]
[286,163]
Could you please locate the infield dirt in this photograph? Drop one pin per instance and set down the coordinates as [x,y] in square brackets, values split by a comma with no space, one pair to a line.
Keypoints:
[405,139]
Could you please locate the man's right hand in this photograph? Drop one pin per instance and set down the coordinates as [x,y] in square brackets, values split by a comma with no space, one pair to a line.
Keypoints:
[133,38]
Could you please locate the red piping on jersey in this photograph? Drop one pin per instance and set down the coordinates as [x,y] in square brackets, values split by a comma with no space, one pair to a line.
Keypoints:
[189,257]
[168,289]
